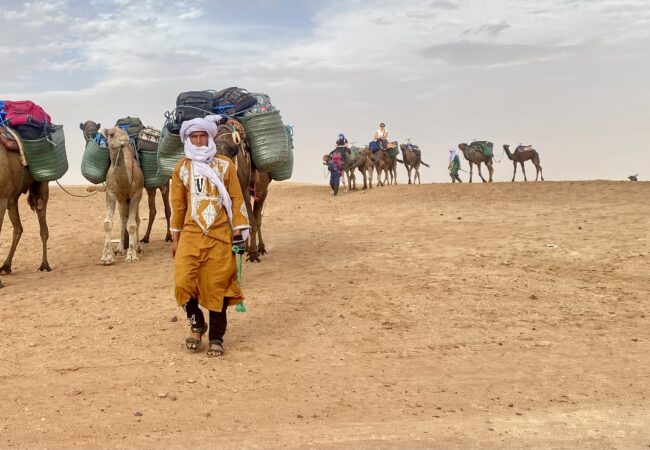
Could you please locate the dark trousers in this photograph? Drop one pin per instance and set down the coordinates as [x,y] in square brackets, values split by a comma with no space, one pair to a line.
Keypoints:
[455,177]
[218,319]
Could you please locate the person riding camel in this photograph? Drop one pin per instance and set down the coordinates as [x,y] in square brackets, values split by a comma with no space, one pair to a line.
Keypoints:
[381,136]
[341,147]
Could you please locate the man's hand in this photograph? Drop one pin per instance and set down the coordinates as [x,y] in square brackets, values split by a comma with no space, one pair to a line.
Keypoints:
[175,236]
[238,244]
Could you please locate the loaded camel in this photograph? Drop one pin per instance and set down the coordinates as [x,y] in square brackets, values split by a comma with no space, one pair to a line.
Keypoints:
[524,153]
[231,141]
[474,155]
[387,164]
[412,160]
[124,183]
[16,180]
[90,130]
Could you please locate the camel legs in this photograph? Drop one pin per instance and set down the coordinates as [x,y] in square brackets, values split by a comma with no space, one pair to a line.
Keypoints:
[538,168]
[3,209]
[259,209]
[164,191]
[125,237]
[133,226]
[523,169]
[40,193]
[261,190]
[479,172]
[417,174]
[14,216]
[107,256]
[471,170]
[490,168]
[151,200]
[514,174]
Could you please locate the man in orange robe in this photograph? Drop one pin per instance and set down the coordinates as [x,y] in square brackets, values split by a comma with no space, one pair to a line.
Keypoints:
[209,225]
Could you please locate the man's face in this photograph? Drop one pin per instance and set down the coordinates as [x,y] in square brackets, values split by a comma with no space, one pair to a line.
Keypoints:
[199,138]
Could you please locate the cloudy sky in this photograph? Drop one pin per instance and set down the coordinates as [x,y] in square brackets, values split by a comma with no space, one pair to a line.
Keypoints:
[570,77]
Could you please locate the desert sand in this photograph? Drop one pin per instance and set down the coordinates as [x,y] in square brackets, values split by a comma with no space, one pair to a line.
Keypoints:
[508,315]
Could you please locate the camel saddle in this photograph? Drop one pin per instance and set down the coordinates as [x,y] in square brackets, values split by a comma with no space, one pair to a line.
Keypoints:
[11,141]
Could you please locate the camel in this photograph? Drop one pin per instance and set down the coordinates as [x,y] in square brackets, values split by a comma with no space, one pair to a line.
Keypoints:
[524,153]
[386,164]
[412,160]
[231,141]
[90,130]
[124,183]
[16,180]
[474,155]
[351,163]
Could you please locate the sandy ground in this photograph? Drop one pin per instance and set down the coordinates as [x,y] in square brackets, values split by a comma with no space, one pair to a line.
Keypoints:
[434,316]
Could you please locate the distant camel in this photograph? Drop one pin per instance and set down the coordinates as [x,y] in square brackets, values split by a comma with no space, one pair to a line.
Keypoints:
[16,180]
[124,183]
[386,164]
[521,154]
[474,155]
[633,177]
[412,160]
[90,130]
[231,141]
[351,162]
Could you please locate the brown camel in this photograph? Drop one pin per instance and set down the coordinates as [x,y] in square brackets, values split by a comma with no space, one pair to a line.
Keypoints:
[412,160]
[231,141]
[124,183]
[90,130]
[521,154]
[351,163]
[386,164]
[16,180]
[474,155]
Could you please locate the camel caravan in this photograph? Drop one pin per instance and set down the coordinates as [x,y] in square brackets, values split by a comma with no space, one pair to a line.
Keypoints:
[382,159]
[131,157]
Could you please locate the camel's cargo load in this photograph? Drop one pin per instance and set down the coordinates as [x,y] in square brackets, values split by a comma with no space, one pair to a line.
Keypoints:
[132,126]
[46,157]
[485,147]
[170,151]
[147,143]
[268,140]
[263,105]
[232,101]
[147,140]
[96,160]
[21,112]
[393,150]
[149,166]
[267,136]
[193,104]
[285,171]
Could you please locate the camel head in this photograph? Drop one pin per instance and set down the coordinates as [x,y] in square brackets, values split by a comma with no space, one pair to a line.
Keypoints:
[462,147]
[90,129]
[506,147]
[116,138]
[227,140]
[326,158]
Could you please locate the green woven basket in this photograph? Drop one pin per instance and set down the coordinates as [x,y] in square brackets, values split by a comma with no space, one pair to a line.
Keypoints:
[285,171]
[95,162]
[268,140]
[149,166]
[46,157]
[170,151]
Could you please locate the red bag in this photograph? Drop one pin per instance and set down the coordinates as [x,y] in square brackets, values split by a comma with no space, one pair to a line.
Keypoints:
[23,112]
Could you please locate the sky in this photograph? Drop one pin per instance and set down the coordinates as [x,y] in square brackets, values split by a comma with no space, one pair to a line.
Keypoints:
[569,77]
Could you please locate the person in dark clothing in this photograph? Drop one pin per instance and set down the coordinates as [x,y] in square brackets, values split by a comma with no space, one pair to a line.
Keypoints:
[335,167]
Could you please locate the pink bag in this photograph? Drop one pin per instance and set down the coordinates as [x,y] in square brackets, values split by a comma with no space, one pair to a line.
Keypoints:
[23,112]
